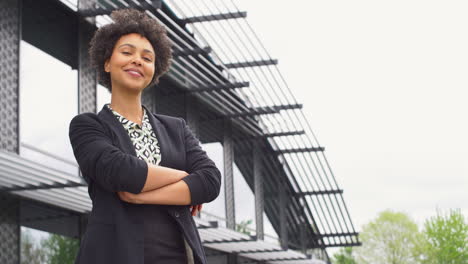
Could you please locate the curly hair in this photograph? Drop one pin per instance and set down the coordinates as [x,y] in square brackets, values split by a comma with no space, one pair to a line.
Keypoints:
[127,21]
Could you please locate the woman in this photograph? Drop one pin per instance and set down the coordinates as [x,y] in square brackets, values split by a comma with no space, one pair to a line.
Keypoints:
[147,174]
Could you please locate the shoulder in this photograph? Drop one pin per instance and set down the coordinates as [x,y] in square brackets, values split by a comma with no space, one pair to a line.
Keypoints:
[87,120]
[169,120]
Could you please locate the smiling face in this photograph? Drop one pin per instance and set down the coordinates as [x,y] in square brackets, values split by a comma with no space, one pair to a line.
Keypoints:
[131,65]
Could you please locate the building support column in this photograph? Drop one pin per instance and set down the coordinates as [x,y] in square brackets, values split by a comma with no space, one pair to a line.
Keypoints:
[282,216]
[228,153]
[303,237]
[10,39]
[9,229]
[258,190]
[87,78]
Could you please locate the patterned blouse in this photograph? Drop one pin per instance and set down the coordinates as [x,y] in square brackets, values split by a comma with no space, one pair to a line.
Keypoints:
[147,148]
[143,137]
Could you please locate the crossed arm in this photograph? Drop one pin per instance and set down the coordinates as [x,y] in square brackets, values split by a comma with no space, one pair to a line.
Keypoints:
[163,186]
[137,181]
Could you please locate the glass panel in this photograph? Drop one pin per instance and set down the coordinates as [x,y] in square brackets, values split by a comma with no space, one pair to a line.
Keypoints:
[42,247]
[48,101]
[103,96]
[244,203]
[215,211]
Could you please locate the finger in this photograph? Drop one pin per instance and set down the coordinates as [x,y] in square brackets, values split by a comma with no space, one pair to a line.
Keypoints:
[192,209]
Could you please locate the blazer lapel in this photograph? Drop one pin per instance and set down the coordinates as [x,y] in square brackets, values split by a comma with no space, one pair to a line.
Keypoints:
[123,137]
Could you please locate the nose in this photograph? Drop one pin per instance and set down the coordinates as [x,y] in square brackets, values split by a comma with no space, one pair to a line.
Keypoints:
[136,60]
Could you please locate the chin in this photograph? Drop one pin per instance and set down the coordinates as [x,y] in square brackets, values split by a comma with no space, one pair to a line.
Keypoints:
[137,87]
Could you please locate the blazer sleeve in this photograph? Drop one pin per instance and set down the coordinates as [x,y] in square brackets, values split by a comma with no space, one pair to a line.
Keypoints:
[204,179]
[103,162]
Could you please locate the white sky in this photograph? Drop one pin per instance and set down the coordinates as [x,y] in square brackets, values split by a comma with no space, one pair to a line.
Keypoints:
[383,85]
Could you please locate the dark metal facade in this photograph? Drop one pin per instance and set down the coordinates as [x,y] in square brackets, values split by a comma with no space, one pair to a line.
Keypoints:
[9,229]
[10,35]
[87,79]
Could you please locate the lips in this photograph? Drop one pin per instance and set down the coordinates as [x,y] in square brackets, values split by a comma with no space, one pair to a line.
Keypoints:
[134,72]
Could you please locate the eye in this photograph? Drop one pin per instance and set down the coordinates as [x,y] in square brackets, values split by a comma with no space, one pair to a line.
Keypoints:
[148,59]
[124,52]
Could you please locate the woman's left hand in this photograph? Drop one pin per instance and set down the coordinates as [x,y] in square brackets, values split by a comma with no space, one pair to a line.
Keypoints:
[195,208]
[129,197]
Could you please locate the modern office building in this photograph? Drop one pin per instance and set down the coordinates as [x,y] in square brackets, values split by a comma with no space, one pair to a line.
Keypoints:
[280,202]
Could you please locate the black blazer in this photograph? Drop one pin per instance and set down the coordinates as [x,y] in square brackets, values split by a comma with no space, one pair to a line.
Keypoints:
[108,163]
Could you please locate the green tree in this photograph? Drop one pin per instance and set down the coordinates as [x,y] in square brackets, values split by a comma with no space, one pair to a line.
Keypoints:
[61,249]
[31,253]
[445,239]
[389,239]
[243,226]
[344,256]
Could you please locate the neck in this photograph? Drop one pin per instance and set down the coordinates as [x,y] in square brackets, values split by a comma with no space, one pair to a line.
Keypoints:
[128,105]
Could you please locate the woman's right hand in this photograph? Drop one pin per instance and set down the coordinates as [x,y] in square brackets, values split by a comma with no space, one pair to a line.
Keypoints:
[195,208]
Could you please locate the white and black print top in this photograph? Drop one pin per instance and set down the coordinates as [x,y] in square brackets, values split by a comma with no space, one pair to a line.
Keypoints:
[143,138]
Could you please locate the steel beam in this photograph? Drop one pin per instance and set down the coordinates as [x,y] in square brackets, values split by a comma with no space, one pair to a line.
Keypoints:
[297,150]
[338,234]
[246,64]
[42,187]
[267,151]
[324,192]
[268,135]
[278,107]
[300,194]
[353,244]
[283,134]
[207,18]
[191,52]
[258,111]
[220,87]
[93,12]
[99,11]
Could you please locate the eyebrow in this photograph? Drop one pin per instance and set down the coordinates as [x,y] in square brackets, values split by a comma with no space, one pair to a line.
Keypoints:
[133,46]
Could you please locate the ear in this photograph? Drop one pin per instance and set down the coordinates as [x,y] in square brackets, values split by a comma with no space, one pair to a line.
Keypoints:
[106,66]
